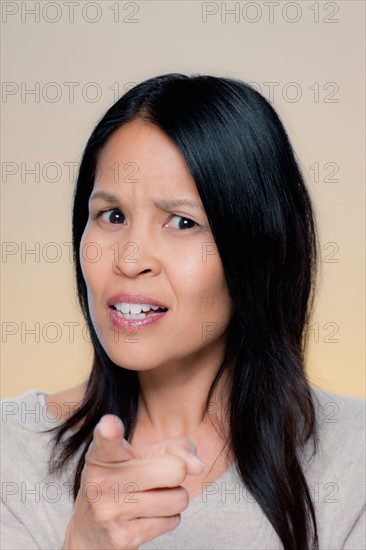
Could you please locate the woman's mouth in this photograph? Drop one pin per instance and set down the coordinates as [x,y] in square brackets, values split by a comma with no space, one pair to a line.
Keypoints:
[132,317]
[137,311]
[131,312]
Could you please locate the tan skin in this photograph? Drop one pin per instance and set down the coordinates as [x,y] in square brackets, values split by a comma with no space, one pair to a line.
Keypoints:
[174,363]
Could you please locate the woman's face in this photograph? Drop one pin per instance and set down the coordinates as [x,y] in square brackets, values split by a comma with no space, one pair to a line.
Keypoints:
[163,252]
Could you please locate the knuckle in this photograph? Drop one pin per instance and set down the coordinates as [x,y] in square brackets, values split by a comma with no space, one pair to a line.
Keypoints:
[85,476]
[177,469]
[127,536]
[89,453]
[172,522]
[183,497]
[101,516]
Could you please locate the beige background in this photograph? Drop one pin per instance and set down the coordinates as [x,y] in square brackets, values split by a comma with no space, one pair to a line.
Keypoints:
[316,55]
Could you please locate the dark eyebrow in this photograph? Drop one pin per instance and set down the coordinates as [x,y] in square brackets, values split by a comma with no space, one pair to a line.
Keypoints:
[107,197]
[167,204]
[164,204]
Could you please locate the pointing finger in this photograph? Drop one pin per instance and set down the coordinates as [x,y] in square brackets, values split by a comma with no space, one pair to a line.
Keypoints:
[108,445]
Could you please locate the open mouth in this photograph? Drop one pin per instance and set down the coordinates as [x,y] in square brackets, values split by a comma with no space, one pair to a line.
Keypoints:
[137,312]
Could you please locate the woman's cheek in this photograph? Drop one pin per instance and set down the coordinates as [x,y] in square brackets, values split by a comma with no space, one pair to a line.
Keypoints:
[91,257]
[92,248]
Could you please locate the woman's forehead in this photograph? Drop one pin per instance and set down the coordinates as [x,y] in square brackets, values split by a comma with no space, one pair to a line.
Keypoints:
[142,139]
[139,152]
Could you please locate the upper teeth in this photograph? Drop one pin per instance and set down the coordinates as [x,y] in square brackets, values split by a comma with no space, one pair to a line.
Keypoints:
[134,308]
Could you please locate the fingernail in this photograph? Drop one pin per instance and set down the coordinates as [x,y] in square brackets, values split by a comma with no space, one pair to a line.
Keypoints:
[196,459]
[103,422]
[101,426]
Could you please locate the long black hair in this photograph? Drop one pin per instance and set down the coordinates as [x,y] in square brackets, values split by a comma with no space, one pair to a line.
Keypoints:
[263,223]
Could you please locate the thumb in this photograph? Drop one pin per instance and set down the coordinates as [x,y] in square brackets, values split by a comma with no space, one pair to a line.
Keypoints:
[182,447]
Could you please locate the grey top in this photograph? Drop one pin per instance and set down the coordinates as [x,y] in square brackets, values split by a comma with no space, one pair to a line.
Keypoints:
[36,508]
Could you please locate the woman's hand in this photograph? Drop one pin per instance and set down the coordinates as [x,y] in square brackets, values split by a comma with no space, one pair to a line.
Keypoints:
[129,496]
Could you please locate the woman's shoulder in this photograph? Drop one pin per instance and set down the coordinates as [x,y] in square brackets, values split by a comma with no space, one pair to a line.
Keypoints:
[36,505]
[37,410]
[28,428]
[336,472]
[341,435]
[25,412]
[339,413]
[24,420]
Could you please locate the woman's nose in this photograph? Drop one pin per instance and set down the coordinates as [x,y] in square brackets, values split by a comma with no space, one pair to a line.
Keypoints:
[135,254]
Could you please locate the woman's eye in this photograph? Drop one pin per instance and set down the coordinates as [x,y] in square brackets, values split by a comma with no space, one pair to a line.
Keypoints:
[115,216]
[185,222]
[111,216]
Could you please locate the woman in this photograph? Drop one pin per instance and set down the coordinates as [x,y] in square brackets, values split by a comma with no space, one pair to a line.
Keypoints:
[196,251]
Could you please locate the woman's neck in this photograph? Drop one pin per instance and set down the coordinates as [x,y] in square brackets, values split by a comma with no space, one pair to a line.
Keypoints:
[176,404]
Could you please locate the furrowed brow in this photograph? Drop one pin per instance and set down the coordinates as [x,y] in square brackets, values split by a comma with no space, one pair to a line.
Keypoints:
[164,204]
[107,197]
[167,204]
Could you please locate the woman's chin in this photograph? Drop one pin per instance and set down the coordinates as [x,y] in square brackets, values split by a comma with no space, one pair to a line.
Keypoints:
[134,361]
